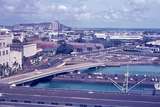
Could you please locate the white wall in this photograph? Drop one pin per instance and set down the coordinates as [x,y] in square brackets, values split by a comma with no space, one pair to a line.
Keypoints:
[16,56]
[4,58]
[29,50]
[5,41]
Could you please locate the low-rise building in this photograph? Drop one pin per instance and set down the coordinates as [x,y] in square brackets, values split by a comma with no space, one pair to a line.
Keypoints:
[126,37]
[88,38]
[47,47]
[26,49]
[19,35]
[154,43]
[101,35]
[86,47]
[73,37]
[29,50]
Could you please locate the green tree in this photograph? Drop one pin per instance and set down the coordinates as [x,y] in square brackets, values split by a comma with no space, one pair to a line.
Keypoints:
[64,48]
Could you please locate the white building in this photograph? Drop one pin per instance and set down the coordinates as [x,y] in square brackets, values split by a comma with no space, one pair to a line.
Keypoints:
[73,37]
[8,57]
[55,26]
[87,37]
[29,50]
[5,41]
[126,37]
[101,35]
[154,43]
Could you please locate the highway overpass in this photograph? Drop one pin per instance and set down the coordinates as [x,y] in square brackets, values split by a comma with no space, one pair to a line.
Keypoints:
[39,74]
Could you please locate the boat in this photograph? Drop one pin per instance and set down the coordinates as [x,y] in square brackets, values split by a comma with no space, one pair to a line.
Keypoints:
[157,86]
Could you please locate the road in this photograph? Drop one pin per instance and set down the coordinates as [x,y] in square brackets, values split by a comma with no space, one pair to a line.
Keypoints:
[27,77]
[18,104]
[23,95]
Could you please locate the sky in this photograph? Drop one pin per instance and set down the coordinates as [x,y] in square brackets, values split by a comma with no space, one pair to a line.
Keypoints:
[83,13]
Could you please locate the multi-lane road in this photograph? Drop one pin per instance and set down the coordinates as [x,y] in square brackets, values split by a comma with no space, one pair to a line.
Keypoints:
[31,96]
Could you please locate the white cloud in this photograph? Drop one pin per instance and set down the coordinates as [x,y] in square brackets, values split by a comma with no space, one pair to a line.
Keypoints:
[10,8]
[83,16]
[140,1]
[62,7]
[87,11]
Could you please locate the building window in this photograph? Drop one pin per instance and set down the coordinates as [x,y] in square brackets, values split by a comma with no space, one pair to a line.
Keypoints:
[7,52]
[79,50]
[27,101]
[14,100]
[89,49]
[4,44]
[0,53]
[54,103]
[0,44]
[83,105]
[97,106]
[40,102]
[3,52]
[2,100]
[68,104]
[98,47]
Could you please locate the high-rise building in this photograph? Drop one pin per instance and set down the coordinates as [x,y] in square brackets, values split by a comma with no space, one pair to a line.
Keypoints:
[56,26]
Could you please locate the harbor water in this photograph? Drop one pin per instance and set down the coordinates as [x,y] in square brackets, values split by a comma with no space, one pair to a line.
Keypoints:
[133,70]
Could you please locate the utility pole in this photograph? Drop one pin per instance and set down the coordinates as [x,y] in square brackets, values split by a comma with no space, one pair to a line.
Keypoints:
[126,81]
[125,87]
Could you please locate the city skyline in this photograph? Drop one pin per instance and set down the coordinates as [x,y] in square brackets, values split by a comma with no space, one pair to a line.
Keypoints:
[83,13]
[79,53]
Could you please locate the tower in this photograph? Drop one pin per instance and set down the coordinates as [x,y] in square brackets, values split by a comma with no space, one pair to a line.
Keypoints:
[56,26]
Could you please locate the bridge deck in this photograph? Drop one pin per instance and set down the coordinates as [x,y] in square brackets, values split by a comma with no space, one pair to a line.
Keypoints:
[27,77]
